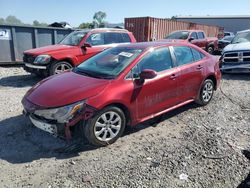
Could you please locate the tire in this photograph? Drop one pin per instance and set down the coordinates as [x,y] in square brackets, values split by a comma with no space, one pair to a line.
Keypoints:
[59,67]
[206,92]
[99,129]
[210,50]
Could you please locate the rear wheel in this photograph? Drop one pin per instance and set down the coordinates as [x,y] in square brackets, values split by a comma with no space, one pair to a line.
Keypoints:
[206,92]
[60,67]
[105,127]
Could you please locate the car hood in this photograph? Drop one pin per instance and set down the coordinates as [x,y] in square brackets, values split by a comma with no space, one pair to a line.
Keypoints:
[49,49]
[237,47]
[63,89]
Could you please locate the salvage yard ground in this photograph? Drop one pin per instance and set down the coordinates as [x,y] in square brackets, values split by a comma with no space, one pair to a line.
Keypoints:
[189,147]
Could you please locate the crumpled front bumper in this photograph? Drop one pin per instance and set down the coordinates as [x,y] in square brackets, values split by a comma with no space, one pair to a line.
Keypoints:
[59,129]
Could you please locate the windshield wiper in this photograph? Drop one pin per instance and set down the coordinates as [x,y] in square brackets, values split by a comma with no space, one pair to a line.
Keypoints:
[93,74]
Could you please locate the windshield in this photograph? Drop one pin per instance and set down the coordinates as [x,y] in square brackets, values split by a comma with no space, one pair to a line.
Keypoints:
[108,64]
[74,38]
[241,37]
[228,38]
[178,35]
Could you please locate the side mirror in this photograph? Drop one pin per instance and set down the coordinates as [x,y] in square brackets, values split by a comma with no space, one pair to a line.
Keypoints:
[86,45]
[148,74]
[190,39]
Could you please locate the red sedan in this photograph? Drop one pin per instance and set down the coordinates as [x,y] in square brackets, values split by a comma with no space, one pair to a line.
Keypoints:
[120,87]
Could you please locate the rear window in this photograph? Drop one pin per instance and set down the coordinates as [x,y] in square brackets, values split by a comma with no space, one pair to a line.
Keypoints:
[197,55]
[183,55]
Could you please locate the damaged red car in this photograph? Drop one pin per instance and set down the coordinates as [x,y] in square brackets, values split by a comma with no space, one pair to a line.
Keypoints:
[120,87]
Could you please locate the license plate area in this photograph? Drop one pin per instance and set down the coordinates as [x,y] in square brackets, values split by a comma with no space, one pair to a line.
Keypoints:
[50,128]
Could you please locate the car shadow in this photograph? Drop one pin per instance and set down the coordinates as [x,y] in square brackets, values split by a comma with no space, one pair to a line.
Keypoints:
[21,142]
[19,81]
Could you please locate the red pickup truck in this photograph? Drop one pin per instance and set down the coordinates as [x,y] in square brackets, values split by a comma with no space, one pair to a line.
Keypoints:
[73,49]
[196,37]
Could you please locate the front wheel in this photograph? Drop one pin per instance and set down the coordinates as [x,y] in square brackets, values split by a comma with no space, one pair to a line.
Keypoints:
[60,67]
[105,127]
[206,92]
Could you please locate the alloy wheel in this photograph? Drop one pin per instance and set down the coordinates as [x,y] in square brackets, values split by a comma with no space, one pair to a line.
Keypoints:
[107,126]
[62,67]
[207,92]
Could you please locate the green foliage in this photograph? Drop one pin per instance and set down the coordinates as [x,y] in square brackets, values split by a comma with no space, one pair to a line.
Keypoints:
[86,25]
[2,21]
[13,20]
[37,23]
[99,19]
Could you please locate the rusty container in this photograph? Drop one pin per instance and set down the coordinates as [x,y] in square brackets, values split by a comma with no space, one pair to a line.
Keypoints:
[152,29]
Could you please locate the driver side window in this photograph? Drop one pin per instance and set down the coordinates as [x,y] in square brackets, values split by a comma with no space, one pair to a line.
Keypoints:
[158,60]
[194,35]
[96,39]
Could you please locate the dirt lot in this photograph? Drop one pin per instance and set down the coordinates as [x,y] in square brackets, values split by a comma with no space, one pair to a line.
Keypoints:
[189,147]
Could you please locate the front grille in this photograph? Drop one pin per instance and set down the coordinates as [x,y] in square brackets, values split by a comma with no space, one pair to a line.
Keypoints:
[28,58]
[236,57]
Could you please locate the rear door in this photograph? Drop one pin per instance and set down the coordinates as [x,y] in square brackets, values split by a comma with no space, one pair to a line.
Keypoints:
[159,93]
[191,66]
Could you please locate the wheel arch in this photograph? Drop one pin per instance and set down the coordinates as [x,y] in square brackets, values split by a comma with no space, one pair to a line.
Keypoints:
[124,108]
[69,60]
[213,78]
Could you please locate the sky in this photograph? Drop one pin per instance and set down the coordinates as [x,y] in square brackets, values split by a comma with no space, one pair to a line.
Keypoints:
[78,11]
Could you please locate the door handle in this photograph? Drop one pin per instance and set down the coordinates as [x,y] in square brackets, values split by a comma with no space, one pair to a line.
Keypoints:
[199,67]
[173,76]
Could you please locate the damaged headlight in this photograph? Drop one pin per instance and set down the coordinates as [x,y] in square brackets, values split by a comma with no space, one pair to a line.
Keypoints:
[42,59]
[62,114]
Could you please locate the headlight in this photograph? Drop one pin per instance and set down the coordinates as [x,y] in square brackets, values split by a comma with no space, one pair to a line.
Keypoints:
[62,114]
[42,59]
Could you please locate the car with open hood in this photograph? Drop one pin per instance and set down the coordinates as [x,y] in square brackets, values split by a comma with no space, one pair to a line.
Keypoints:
[120,87]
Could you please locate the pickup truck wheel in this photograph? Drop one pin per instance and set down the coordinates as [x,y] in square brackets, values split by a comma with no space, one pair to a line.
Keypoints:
[210,50]
[59,67]
[206,92]
[105,127]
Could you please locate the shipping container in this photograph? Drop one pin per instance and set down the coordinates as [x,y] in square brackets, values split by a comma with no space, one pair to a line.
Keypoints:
[152,29]
[16,39]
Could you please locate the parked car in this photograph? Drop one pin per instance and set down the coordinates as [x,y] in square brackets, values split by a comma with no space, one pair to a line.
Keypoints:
[122,86]
[196,37]
[222,43]
[230,34]
[236,56]
[73,49]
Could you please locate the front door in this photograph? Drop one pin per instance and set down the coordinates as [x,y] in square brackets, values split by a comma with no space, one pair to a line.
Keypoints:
[159,93]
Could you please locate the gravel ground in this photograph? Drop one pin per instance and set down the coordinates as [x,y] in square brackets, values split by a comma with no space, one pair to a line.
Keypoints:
[189,147]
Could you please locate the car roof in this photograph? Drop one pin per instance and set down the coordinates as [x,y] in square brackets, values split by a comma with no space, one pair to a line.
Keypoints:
[191,30]
[103,30]
[145,45]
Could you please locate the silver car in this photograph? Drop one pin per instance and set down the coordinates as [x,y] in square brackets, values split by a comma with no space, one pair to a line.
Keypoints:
[236,56]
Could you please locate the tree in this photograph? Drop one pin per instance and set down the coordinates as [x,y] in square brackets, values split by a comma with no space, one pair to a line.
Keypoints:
[98,19]
[86,25]
[13,20]
[2,21]
[37,23]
